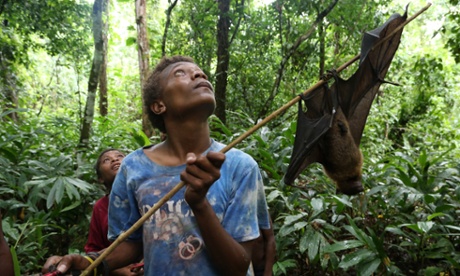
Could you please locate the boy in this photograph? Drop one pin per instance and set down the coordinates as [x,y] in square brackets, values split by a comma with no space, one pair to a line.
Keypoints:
[209,227]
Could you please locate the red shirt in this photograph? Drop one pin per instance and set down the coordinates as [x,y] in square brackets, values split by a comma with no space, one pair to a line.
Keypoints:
[99,226]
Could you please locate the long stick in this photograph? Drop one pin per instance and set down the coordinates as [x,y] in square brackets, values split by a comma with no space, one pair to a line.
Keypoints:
[181,184]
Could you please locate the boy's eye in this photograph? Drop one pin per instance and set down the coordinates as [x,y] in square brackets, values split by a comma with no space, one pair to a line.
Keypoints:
[179,73]
[105,160]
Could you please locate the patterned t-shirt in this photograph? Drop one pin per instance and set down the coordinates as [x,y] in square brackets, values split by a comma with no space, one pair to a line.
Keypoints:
[172,241]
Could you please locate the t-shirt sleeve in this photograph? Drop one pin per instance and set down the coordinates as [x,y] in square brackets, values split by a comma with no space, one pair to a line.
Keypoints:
[123,211]
[247,208]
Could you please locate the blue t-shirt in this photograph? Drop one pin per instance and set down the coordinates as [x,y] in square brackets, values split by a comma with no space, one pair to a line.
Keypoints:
[172,241]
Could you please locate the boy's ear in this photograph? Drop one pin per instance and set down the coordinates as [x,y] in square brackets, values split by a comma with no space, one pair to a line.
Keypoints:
[100,180]
[158,107]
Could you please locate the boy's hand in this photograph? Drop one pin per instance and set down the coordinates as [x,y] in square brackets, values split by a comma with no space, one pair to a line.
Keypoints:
[200,173]
[65,263]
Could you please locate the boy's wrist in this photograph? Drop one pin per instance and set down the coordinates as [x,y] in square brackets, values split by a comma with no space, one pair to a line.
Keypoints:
[201,206]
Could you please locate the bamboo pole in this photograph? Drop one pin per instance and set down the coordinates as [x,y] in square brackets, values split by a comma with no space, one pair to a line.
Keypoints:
[243,136]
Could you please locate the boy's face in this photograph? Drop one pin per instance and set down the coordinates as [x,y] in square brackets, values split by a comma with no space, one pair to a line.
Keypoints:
[108,168]
[185,88]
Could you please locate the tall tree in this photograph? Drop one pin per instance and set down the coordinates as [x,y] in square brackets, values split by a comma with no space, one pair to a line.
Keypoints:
[94,74]
[223,57]
[143,51]
[28,25]
[103,97]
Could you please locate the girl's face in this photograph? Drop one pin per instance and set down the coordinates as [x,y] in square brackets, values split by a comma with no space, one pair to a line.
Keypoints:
[109,165]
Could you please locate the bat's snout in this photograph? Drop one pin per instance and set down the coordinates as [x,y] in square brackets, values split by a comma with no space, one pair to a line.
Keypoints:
[350,187]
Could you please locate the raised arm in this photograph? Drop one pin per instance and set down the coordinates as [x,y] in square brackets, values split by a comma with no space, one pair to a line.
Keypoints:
[229,256]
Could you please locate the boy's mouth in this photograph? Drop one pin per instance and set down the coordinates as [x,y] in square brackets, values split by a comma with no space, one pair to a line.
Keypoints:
[206,84]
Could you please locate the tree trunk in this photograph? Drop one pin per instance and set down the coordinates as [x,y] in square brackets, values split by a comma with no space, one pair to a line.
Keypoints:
[94,74]
[143,54]
[223,58]
[8,92]
[168,22]
[103,97]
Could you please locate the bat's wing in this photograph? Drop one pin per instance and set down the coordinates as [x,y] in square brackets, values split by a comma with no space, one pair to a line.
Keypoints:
[354,96]
[358,92]
[312,125]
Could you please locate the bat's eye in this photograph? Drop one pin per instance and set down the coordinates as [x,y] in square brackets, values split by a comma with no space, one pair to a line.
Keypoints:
[342,127]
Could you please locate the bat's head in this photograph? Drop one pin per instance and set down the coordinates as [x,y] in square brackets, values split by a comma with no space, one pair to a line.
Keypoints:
[350,187]
[342,159]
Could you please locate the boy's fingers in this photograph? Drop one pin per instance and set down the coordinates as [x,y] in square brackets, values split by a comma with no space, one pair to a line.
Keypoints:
[216,158]
[191,158]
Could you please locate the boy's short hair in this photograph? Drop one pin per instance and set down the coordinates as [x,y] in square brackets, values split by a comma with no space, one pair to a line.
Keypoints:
[98,161]
[152,89]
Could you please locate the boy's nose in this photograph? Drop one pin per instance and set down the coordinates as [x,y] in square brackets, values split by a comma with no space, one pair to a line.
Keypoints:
[199,74]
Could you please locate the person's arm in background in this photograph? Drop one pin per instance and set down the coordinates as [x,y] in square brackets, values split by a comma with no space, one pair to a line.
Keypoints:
[6,260]
[270,249]
[124,254]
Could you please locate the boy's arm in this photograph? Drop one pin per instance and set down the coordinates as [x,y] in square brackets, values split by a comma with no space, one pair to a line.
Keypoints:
[229,256]
[124,254]
[270,249]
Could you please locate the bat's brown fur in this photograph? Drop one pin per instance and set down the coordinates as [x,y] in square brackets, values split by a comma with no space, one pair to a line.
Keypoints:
[342,158]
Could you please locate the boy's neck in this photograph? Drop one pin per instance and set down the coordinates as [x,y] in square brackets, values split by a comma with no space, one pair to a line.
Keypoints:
[180,141]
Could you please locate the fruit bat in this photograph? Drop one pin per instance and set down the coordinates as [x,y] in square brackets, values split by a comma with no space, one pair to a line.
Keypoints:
[330,129]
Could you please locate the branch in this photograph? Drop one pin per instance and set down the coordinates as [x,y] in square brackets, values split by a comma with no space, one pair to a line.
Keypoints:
[168,22]
[289,54]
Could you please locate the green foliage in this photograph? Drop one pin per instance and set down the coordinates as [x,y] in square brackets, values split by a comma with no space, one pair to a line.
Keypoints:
[452,30]
[406,221]
[45,188]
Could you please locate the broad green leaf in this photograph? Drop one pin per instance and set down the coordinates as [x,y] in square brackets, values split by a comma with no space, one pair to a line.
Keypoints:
[60,189]
[303,243]
[300,225]
[342,200]
[85,186]
[432,216]
[74,205]
[432,271]
[317,204]
[343,245]
[369,268]
[356,257]
[313,246]
[425,226]
[293,218]
[456,228]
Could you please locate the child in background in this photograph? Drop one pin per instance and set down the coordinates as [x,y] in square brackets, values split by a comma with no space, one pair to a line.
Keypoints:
[106,167]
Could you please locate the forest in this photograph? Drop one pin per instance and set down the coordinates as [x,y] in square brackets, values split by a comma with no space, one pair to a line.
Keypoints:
[71,77]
